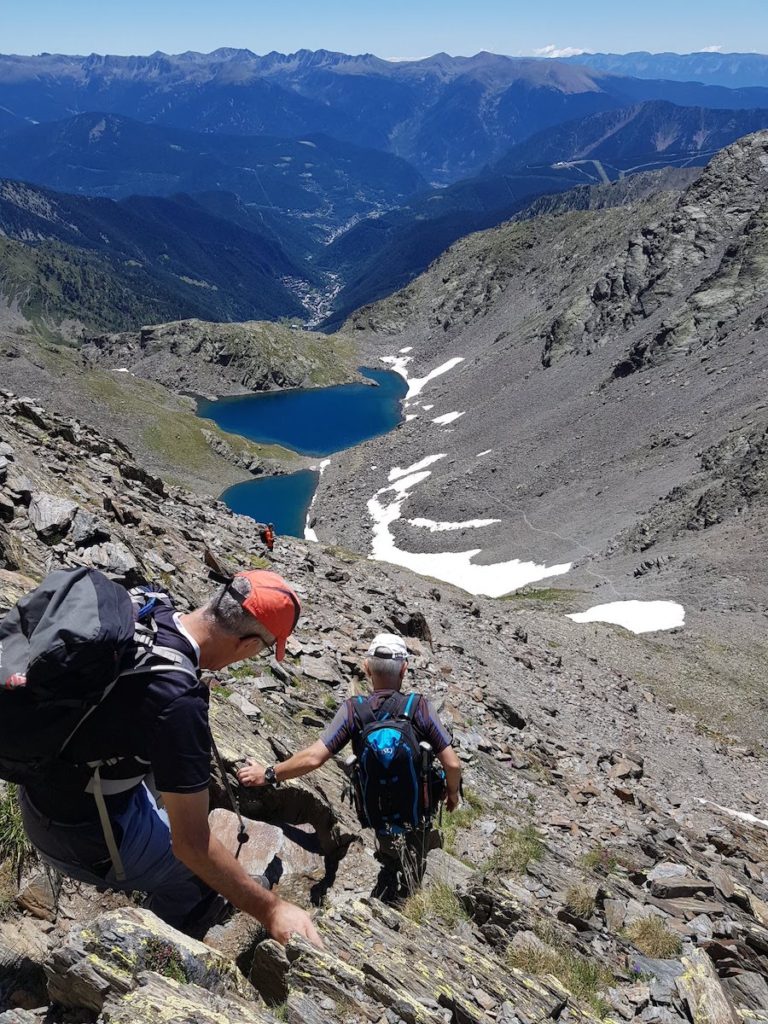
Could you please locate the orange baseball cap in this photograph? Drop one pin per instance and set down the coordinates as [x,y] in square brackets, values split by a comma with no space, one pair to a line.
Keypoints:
[273,603]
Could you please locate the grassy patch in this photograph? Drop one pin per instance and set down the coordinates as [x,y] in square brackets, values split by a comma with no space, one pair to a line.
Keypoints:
[463,817]
[220,690]
[652,936]
[516,849]
[164,958]
[15,848]
[583,978]
[546,595]
[7,890]
[242,671]
[437,900]
[580,900]
[599,858]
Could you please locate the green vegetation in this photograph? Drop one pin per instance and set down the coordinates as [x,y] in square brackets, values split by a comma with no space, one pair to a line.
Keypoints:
[652,936]
[544,595]
[53,282]
[583,978]
[463,817]
[601,859]
[7,890]
[164,958]
[330,702]
[436,900]
[580,900]
[15,848]
[516,849]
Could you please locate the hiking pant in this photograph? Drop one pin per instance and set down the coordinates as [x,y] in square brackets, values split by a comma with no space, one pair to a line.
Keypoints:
[144,840]
[403,857]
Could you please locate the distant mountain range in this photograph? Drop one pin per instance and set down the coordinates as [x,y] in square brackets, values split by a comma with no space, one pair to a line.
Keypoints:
[448,116]
[324,182]
[377,256]
[733,70]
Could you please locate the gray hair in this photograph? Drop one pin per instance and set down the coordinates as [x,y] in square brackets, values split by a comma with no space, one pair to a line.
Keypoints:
[228,615]
[386,668]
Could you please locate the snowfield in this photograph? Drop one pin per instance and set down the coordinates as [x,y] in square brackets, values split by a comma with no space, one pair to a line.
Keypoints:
[454,567]
[636,616]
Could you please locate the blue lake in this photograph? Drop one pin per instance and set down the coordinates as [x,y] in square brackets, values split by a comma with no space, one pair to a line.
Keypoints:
[316,422]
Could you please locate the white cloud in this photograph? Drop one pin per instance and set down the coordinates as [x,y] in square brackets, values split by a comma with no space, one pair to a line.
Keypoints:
[711,49]
[550,50]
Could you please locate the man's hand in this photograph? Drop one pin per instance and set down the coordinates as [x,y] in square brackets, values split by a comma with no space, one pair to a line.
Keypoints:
[285,920]
[251,774]
[451,802]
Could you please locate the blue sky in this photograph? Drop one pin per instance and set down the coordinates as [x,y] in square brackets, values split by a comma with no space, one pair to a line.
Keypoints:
[389,28]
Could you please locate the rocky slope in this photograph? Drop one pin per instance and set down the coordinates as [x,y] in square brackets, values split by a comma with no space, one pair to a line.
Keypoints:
[588,876]
[609,371]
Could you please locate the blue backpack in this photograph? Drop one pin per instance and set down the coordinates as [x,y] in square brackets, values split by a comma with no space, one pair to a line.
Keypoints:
[393,774]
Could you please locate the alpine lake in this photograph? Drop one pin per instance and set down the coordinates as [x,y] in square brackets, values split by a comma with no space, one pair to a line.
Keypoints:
[310,421]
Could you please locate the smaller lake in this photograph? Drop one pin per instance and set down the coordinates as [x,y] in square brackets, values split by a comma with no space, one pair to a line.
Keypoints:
[311,421]
[282,500]
[314,421]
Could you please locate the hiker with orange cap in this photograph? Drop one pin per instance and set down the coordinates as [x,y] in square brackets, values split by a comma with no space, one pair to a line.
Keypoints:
[149,736]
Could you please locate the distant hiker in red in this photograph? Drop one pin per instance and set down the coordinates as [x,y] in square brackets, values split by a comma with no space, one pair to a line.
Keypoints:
[268,536]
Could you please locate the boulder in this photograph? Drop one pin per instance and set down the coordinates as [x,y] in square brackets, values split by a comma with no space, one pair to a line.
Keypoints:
[277,851]
[87,529]
[50,515]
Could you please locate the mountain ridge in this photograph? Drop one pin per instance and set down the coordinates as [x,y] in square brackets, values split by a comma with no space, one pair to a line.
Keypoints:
[488,101]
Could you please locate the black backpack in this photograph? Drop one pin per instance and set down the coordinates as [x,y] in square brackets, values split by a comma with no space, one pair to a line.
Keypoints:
[63,648]
[394,778]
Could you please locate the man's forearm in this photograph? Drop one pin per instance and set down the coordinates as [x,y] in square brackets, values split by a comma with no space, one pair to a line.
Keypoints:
[453,779]
[302,762]
[219,869]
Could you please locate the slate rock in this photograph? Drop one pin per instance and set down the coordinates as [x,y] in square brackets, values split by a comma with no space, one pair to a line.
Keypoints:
[277,852]
[322,669]
[87,529]
[50,515]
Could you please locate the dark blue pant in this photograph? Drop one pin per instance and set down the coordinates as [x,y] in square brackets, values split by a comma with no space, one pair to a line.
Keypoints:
[175,894]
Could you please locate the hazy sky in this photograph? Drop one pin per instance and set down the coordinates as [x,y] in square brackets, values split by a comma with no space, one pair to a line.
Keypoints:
[389,28]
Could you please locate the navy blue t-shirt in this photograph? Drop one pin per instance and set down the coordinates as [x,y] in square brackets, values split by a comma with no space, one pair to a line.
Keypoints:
[154,722]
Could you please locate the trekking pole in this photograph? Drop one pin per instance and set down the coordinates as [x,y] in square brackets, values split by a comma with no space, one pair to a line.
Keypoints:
[426,760]
[242,832]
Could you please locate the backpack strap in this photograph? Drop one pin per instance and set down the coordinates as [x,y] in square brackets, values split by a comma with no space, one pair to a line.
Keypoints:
[363,712]
[410,706]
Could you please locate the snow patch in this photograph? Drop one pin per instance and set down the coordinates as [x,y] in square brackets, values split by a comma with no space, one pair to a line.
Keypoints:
[396,472]
[408,348]
[486,452]
[426,408]
[309,533]
[120,369]
[449,417]
[454,567]
[743,815]
[411,416]
[636,616]
[416,384]
[434,527]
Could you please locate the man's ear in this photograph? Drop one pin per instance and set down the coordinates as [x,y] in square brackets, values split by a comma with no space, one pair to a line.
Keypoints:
[366,668]
[403,670]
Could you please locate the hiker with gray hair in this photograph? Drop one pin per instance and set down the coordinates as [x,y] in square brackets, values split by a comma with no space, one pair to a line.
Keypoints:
[395,738]
[127,805]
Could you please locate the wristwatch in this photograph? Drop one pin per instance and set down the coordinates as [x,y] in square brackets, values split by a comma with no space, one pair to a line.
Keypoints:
[270,778]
